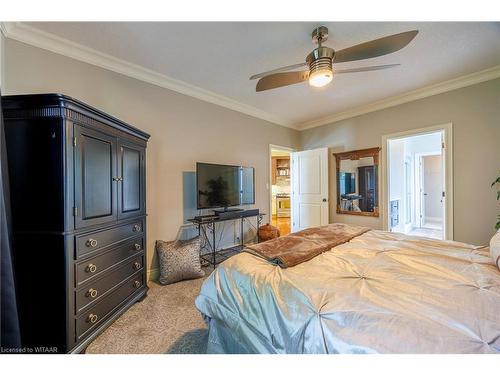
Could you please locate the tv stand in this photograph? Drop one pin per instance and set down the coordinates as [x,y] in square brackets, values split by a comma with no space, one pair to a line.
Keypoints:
[207,228]
[217,211]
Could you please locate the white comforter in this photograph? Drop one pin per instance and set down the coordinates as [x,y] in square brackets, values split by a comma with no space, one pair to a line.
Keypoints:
[380,293]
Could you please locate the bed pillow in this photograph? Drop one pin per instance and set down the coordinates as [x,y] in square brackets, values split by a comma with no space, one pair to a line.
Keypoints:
[179,260]
[495,248]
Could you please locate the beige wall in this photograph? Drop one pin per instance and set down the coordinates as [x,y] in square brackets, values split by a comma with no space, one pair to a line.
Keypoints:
[183,129]
[475,114]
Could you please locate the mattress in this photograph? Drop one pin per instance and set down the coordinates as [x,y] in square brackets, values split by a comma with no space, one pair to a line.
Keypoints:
[379,293]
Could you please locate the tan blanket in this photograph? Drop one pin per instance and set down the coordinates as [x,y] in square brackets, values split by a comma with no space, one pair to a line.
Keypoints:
[299,247]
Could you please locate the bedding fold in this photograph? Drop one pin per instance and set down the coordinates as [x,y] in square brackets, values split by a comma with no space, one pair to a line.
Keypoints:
[299,247]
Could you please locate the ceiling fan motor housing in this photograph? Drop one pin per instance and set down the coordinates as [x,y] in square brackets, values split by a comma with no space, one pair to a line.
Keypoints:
[320,59]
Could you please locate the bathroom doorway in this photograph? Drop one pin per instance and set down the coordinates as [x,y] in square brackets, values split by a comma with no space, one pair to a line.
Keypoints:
[418,179]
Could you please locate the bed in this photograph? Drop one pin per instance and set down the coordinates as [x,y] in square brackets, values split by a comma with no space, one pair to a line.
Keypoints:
[380,292]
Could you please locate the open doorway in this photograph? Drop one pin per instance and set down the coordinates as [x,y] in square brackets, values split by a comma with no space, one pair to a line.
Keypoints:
[418,176]
[281,204]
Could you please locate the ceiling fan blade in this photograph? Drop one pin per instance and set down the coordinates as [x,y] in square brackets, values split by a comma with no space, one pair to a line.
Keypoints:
[365,69]
[282,69]
[375,48]
[281,79]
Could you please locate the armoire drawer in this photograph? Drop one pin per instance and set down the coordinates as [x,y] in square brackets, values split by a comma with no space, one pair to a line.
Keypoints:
[91,242]
[101,310]
[96,290]
[91,268]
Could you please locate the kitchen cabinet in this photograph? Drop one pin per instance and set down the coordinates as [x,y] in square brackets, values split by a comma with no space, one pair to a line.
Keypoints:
[280,167]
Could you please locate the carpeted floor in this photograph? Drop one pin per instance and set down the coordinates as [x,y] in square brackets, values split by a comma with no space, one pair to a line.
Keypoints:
[166,321]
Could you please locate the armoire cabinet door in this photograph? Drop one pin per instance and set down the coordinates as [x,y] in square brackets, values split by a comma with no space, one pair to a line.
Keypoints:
[95,177]
[131,169]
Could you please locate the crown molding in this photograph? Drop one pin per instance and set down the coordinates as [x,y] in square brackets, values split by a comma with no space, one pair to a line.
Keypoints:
[3,28]
[439,88]
[38,38]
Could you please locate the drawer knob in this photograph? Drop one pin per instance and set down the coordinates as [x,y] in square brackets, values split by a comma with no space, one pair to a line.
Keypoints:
[137,284]
[136,228]
[92,293]
[91,268]
[137,246]
[137,265]
[92,318]
[91,242]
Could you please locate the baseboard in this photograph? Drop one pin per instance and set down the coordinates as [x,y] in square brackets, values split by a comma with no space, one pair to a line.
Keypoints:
[433,220]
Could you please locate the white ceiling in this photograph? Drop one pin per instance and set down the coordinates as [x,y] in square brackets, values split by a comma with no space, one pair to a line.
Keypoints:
[219,57]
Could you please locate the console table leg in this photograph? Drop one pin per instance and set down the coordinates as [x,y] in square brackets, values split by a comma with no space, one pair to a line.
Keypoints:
[241,233]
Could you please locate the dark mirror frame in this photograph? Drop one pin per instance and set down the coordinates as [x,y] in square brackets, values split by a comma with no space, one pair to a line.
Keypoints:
[356,155]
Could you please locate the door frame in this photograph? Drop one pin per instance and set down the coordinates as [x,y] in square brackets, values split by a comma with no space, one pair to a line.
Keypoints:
[409,194]
[447,130]
[270,176]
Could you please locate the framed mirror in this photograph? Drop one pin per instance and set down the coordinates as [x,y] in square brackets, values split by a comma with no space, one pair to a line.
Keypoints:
[357,182]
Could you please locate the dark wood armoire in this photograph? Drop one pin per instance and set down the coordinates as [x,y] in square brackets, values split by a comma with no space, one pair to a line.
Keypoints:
[78,202]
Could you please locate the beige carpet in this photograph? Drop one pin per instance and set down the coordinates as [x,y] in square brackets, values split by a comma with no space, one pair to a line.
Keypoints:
[166,321]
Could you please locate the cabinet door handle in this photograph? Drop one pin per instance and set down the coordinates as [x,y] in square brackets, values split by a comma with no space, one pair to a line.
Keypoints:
[92,293]
[137,265]
[116,178]
[137,284]
[136,228]
[137,246]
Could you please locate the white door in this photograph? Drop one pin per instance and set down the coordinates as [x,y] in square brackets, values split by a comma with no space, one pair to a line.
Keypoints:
[309,188]
[433,190]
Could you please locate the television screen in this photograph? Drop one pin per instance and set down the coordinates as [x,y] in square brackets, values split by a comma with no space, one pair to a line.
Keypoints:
[347,183]
[223,185]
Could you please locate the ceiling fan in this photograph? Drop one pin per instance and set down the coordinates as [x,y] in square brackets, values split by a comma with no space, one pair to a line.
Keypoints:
[320,61]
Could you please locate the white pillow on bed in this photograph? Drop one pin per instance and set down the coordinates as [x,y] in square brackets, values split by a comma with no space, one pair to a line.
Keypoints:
[495,248]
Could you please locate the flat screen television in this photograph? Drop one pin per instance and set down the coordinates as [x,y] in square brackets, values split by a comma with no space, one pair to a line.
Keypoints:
[222,186]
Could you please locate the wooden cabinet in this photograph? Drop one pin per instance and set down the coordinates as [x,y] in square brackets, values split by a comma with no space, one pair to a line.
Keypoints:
[280,167]
[109,178]
[78,198]
[273,170]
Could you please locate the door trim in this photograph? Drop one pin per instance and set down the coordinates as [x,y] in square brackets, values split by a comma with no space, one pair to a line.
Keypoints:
[447,130]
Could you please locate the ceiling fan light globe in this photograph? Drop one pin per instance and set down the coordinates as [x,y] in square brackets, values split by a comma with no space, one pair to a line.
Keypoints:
[320,78]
